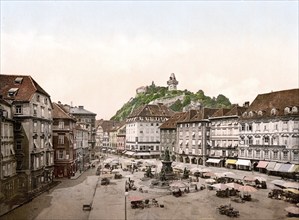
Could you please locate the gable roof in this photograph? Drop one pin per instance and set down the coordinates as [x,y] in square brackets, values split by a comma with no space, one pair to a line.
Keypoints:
[25,89]
[198,115]
[234,111]
[158,110]
[108,125]
[275,100]
[172,122]
[221,112]
[60,113]
[81,111]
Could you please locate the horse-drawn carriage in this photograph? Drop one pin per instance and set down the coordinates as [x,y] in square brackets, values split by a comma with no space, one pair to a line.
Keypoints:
[137,204]
[177,193]
[228,210]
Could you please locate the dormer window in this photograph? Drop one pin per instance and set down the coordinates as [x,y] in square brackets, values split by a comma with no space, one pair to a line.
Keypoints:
[18,80]
[287,110]
[250,114]
[244,114]
[294,109]
[273,111]
[12,92]
[260,113]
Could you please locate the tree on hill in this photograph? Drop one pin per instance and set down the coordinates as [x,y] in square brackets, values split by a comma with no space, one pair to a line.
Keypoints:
[177,106]
[159,92]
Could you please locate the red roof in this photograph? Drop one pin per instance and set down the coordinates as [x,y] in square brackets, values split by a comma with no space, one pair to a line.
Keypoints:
[60,113]
[24,90]
[279,100]
[171,123]
[158,110]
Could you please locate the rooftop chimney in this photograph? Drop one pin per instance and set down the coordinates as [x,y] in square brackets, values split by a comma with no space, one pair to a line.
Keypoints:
[246,104]
[81,107]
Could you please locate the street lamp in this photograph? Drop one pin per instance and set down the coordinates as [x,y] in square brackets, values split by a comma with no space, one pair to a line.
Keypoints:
[126,194]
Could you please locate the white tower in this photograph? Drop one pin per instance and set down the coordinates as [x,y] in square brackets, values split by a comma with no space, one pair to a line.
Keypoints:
[172,82]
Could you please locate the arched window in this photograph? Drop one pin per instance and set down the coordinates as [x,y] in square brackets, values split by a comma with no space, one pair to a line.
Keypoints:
[250,114]
[287,110]
[294,109]
[260,113]
[273,111]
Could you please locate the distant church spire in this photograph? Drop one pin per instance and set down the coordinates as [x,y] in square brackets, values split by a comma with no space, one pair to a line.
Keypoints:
[172,82]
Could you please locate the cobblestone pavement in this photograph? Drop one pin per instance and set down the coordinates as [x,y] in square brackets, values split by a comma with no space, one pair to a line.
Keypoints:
[65,201]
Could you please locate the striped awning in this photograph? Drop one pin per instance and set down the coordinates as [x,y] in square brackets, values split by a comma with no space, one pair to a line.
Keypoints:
[262,164]
[271,166]
[142,154]
[244,162]
[277,166]
[130,153]
[285,167]
[154,153]
[212,160]
[231,161]
[294,168]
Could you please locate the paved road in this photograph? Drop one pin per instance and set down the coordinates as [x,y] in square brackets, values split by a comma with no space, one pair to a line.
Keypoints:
[31,210]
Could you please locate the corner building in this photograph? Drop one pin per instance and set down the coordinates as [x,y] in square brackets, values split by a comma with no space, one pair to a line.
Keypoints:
[269,133]
[32,114]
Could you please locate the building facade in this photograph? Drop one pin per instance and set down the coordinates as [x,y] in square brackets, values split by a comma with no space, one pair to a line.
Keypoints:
[168,133]
[269,132]
[86,120]
[32,113]
[117,137]
[121,139]
[225,136]
[9,181]
[103,130]
[64,142]
[143,130]
[193,136]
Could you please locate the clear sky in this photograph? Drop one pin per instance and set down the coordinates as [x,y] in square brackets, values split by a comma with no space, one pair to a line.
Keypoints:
[96,53]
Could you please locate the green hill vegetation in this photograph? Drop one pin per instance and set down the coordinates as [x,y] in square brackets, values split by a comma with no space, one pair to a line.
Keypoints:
[157,92]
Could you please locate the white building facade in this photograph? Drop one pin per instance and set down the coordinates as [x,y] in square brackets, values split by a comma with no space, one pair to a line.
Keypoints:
[143,130]
[269,133]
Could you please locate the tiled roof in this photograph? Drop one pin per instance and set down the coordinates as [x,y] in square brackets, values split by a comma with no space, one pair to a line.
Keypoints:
[221,112]
[80,111]
[25,89]
[236,111]
[171,123]
[118,126]
[198,115]
[60,113]
[279,100]
[108,125]
[158,110]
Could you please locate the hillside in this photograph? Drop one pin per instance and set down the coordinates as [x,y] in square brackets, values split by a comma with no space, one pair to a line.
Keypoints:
[176,100]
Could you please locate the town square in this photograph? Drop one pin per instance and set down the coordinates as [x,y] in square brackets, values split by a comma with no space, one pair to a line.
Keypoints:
[108,201]
[149,110]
